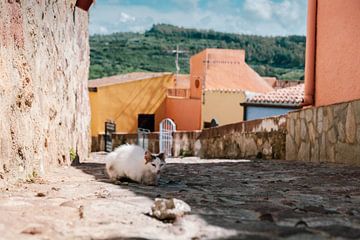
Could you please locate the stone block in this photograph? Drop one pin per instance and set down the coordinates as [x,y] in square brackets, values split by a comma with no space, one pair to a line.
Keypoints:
[267,150]
[328,118]
[309,115]
[304,152]
[291,127]
[315,151]
[357,111]
[291,148]
[250,147]
[331,136]
[297,132]
[312,133]
[350,125]
[345,153]
[341,132]
[169,209]
[322,154]
[319,120]
[303,130]
[357,155]
[330,153]
[302,114]
[339,110]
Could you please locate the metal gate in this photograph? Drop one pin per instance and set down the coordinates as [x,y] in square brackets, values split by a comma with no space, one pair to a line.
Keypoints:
[110,128]
[143,138]
[167,127]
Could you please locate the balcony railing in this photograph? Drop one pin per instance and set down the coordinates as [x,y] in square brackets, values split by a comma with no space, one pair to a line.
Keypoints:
[178,92]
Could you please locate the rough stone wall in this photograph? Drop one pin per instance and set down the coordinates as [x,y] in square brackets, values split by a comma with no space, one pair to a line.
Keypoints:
[261,138]
[184,143]
[325,134]
[44,61]
[98,143]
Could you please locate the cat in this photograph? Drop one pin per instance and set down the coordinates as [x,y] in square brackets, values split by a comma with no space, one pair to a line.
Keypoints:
[134,163]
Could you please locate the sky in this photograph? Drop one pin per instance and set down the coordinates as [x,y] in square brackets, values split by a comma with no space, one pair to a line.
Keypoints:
[259,17]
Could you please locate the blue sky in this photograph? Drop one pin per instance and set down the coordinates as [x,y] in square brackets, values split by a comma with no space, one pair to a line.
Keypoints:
[260,17]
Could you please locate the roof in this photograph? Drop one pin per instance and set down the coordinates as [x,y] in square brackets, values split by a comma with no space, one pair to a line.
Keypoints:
[290,96]
[227,69]
[242,77]
[124,78]
[225,90]
[183,81]
[270,80]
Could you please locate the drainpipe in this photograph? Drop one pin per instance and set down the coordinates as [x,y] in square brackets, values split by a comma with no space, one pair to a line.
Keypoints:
[310,57]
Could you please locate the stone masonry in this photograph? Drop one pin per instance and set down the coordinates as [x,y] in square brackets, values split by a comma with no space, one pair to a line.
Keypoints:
[261,138]
[44,61]
[325,134]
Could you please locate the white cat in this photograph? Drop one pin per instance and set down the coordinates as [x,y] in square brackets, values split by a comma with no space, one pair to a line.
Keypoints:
[134,163]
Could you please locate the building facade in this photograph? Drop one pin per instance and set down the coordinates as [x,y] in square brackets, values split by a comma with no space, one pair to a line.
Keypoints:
[274,103]
[220,78]
[332,69]
[131,101]
[217,84]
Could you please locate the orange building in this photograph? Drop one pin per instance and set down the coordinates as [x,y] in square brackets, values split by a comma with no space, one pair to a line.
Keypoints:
[219,79]
[332,72]
[183,108]
[224,69]
[218,82]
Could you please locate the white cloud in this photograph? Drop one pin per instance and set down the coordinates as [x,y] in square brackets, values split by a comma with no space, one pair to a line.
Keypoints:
[262,8]
[262,17]
[126,18]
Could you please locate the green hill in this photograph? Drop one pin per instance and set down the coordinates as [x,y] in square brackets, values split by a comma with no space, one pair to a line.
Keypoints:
[281,57]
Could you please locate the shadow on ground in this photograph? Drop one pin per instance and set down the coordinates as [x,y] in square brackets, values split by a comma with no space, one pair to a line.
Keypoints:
[262,199]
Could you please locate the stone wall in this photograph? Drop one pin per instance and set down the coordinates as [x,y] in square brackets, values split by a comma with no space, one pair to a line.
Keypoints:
[325,134]
[184,143]
[98,143]
[44,61]
[261,138]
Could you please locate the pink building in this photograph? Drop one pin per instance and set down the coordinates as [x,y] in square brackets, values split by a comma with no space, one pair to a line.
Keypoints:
[332,71]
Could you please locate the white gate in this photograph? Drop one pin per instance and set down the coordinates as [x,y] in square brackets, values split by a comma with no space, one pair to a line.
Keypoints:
[143,138]
[167,127]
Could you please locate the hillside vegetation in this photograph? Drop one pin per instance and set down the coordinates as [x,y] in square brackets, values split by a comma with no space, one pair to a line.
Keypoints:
[281,57]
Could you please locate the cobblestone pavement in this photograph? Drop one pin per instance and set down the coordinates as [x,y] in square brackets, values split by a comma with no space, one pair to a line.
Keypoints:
[229,200]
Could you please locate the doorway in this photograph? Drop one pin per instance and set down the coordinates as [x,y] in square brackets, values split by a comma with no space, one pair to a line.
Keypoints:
[146,121]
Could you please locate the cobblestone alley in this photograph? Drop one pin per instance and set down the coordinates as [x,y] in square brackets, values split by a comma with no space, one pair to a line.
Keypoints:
[229,200]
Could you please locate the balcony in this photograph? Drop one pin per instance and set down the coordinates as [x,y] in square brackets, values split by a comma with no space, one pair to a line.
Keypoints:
[178,92]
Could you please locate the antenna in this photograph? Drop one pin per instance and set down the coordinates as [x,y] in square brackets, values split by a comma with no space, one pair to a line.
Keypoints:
[177,51]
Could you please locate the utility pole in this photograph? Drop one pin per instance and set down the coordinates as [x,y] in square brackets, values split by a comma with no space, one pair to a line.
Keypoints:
[177,51]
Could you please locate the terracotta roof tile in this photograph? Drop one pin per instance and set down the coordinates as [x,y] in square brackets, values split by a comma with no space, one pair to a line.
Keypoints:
[290,96]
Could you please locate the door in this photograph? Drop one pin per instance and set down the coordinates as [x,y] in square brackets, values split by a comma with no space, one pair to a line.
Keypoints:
[167,127]
[146,121]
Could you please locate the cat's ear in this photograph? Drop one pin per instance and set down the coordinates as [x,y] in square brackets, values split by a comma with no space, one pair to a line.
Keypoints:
[161,156]
[147,157]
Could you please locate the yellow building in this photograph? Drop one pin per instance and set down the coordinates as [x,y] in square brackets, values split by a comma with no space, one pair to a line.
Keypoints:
[130,100]
[223,106]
